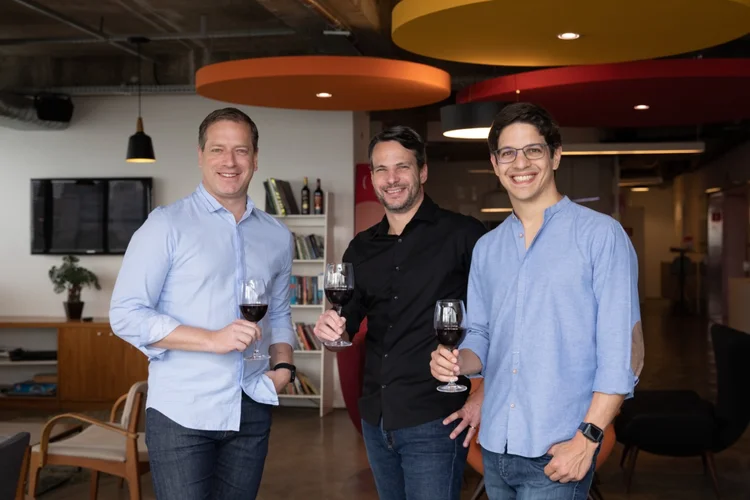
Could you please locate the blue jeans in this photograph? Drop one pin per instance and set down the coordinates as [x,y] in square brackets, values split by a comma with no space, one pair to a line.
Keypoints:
[188,464]
[511,477]
[416,463]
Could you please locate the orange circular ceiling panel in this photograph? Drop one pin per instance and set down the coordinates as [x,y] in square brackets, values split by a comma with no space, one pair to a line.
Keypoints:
[564,32]
[340,83]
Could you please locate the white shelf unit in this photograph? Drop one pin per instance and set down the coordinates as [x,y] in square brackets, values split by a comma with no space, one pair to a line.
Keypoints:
[316,365]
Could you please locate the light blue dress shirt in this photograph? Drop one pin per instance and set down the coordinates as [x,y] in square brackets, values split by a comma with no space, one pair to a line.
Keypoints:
[551,324]
[184,266]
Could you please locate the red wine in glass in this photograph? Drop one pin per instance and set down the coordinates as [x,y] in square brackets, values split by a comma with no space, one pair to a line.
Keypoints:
[450,337]
[253,312]
[339,288]
[253,307]
[450,328]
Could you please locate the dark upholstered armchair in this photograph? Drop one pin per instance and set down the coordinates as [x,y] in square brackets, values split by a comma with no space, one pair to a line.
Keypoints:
[351,363]
[681,423]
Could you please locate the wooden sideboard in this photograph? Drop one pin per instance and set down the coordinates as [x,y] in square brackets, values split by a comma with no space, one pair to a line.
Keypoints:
[94,366]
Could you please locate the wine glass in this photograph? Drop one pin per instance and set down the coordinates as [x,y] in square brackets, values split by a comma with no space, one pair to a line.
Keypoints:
[339,288]
[253,306]
[450,327]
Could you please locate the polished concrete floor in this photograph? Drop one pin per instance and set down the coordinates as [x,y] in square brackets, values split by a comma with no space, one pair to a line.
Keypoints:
[313,458]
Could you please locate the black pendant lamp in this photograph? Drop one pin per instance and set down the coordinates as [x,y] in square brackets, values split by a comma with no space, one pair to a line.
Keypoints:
[471,120]
[140,147]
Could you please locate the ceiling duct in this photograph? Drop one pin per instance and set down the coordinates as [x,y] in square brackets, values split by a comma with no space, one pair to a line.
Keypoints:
[37,112]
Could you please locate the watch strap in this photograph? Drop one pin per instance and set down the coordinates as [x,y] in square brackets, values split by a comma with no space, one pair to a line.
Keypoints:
[289,367]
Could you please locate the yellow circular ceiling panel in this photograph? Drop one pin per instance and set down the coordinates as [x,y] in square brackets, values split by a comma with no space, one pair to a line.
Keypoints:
[542,32]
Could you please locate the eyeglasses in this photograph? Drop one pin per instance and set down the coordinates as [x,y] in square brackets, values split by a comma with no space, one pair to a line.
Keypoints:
[531,151]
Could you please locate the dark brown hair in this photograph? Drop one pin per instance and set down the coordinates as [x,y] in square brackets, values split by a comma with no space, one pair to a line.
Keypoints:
[525,112]
[406,136]
[230,114]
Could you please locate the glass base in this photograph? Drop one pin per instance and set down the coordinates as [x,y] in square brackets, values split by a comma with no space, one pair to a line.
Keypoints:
[451,387]
[256,356]
[337,343]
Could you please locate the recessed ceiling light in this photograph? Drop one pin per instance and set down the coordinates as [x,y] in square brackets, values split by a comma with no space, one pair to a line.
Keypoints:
[323,95]
[639,189]
[568,36]
[641,106]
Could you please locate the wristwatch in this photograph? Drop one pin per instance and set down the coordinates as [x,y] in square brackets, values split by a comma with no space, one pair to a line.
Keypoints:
[591,432]
[289,367]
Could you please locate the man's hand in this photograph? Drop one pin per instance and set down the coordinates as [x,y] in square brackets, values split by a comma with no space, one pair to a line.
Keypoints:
[470,415]
[444,364]
[330,326]
[571,460]
[236,336]
[280,378]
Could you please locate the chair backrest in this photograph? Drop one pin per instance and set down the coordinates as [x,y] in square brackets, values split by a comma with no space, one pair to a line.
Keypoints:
[732,352]
[133,406]
[12,450]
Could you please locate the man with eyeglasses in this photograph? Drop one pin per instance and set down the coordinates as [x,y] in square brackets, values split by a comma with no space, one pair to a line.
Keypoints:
[554,322]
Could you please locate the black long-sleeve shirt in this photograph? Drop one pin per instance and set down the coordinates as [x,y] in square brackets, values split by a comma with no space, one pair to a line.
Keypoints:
[398,280]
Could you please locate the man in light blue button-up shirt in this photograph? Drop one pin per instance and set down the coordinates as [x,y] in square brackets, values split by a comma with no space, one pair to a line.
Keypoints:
[177,300]
[554,322]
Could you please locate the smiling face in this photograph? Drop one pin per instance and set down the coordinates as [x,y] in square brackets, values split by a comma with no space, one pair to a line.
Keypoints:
[525,180]
[396,177]
[228,160]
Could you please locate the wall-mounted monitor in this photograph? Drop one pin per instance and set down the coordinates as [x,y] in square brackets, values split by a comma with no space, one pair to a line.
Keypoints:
[87,216]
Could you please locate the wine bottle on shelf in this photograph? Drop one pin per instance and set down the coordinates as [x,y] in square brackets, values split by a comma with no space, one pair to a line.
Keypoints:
[318,200]
[305,199]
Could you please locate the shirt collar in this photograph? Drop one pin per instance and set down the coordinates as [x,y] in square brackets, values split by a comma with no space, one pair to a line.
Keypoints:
[427,211]
[551,210]
[213,205]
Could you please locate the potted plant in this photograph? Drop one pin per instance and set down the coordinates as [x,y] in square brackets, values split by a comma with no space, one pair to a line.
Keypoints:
[71,277]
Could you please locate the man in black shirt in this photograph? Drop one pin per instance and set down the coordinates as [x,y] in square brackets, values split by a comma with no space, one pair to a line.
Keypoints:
[418,254]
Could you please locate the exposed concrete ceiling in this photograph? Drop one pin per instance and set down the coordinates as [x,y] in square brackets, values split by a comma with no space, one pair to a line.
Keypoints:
[48,44]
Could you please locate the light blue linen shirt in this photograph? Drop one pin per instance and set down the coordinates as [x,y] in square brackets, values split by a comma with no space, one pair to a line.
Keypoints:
[184,266]
[551,324]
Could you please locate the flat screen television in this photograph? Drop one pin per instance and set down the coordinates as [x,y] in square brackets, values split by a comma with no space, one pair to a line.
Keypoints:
[87,216]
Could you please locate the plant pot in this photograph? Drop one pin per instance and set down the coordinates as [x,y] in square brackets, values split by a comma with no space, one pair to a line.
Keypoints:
[73,310]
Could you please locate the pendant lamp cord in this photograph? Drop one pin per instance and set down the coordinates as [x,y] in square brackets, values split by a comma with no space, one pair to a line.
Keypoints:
[139,80]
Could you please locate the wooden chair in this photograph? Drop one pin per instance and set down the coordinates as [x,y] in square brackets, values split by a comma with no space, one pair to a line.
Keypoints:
[114,447]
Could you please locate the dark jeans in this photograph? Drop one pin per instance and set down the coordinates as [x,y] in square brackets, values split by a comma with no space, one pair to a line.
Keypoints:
[188,464]
[510,477]
[416,463]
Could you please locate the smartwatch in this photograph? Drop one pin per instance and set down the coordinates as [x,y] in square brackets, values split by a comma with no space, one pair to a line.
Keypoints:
[289,367]
[591,432]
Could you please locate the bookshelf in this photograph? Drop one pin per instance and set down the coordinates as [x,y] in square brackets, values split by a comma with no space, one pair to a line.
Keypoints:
[314,364]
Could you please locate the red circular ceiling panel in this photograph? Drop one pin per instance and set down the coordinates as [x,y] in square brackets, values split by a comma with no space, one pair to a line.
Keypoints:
[675,91]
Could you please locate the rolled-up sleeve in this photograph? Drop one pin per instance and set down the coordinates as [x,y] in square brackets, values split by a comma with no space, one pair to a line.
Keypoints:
[619,341]
[279,308]
[477,338]
[133,315]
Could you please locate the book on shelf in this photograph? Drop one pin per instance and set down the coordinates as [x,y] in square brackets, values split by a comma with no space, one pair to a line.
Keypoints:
[306,339]
[308,246]
[306,290]
[301,385]
[280,199]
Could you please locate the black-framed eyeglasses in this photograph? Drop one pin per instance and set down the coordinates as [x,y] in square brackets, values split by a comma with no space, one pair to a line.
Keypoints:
[531,151]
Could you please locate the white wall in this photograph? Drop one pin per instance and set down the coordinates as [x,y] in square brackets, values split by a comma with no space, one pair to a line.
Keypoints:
[659,233]
[292,144]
